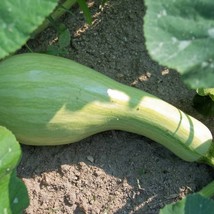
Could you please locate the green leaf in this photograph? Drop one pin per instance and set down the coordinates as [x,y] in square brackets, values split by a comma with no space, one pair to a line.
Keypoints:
[61,9]
[18,19]
[206,92]
[56,50]
[13,194]
[175,208]
[10,152]
[53,50]
[198,204]
[180,35]
[85,9]
[64,38]
[194,203]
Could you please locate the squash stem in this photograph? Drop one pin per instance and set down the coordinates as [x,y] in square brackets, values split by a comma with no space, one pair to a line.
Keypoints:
[209,159]
[208,190]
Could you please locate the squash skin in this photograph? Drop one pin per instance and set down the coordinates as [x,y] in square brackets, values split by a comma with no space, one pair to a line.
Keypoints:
[49,100]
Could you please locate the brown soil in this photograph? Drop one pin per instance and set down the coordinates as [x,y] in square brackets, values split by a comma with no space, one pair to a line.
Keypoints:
[114,171]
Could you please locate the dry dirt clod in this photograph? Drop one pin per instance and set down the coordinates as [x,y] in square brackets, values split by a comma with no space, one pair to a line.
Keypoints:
[90,158]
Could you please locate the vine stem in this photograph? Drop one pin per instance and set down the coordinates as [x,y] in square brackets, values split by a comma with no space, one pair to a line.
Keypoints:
[208,190]
[57,13]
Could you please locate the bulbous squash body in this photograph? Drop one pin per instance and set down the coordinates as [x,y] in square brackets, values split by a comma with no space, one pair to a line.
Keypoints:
[48,100]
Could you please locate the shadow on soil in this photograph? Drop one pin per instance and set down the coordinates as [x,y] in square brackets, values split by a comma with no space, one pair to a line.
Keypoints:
[153,173]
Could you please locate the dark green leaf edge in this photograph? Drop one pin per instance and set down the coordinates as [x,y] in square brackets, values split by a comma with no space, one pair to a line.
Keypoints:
[13,195]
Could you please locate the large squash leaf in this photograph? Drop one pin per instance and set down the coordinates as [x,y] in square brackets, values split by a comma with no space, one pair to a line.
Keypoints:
[180,35]
[18,19]
[13,193]
[194,203]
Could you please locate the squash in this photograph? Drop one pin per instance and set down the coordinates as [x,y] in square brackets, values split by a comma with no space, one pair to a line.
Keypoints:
[49,100]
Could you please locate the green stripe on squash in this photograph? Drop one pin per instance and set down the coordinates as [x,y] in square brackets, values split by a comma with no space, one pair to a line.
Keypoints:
[49,100]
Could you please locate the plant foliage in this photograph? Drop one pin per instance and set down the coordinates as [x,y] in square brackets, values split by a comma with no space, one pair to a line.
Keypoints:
[180,35]
[194,203]
[206,92]
[13,194]
[18,19]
